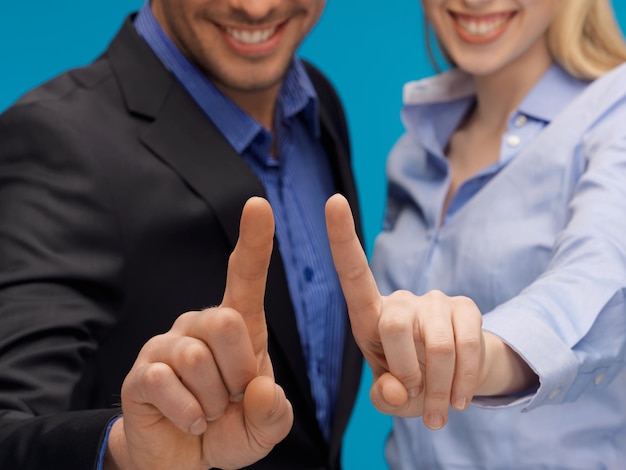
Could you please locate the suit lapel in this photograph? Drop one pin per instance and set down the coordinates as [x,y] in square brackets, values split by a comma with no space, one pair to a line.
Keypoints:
[191,145]
[180,134]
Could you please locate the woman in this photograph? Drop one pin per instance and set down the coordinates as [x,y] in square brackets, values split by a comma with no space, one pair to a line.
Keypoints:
[509,189]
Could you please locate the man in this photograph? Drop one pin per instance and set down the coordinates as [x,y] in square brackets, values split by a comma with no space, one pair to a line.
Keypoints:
[121,189]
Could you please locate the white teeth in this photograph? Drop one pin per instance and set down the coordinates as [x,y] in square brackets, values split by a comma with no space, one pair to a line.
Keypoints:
[481,28]
[251,37]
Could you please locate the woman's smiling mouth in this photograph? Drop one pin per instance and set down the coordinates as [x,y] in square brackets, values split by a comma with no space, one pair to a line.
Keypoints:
[481,29]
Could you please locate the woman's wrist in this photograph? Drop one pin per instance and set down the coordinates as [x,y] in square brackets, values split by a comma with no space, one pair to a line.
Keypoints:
[505,372]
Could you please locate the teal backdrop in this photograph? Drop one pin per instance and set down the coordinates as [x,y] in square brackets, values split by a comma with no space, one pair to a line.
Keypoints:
[368,48]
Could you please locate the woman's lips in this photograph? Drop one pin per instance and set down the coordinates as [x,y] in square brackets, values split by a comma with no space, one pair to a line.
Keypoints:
[481,29]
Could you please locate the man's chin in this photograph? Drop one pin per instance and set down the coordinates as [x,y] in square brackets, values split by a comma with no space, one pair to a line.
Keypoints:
[260,83]
[253,77]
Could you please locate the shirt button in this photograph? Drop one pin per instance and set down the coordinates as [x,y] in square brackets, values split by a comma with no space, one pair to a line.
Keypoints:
[520,120]
[599,378]
[554,394]
[308,274]
[513,140]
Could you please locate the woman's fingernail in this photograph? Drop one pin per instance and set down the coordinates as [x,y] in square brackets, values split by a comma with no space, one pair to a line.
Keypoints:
[459,403]
[434,420]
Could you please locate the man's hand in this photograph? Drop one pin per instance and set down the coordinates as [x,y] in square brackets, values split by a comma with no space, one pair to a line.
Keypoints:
[203,394]
[426,352]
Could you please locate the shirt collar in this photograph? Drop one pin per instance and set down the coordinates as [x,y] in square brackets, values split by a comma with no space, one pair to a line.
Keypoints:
[552,93]
[433,107]
[296,94]
[458,85]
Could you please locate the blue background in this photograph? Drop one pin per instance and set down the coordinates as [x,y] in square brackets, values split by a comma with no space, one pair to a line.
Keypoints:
[368,48]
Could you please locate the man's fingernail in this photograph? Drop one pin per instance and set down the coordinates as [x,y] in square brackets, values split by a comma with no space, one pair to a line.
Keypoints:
[276,399]
[198,427]
[236,398]
[214,417]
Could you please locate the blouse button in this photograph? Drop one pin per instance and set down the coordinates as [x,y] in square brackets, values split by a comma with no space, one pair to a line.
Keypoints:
[513,140]
[520,120]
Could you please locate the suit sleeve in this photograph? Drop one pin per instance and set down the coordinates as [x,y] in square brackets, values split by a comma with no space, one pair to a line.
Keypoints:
[59,262]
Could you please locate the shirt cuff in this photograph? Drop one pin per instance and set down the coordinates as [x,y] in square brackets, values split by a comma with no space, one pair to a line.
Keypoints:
[105,441]
[545,353]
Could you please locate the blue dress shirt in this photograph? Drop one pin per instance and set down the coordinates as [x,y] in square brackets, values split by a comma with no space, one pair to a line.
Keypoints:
[298,182]
[538,241]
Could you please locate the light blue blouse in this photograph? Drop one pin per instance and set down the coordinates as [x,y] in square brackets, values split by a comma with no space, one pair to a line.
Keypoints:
[538,241]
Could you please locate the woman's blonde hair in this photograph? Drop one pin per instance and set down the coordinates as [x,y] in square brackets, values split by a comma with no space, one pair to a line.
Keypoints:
[586,39]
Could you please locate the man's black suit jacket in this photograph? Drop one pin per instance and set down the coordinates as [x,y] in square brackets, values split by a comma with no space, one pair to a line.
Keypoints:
[119,206]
